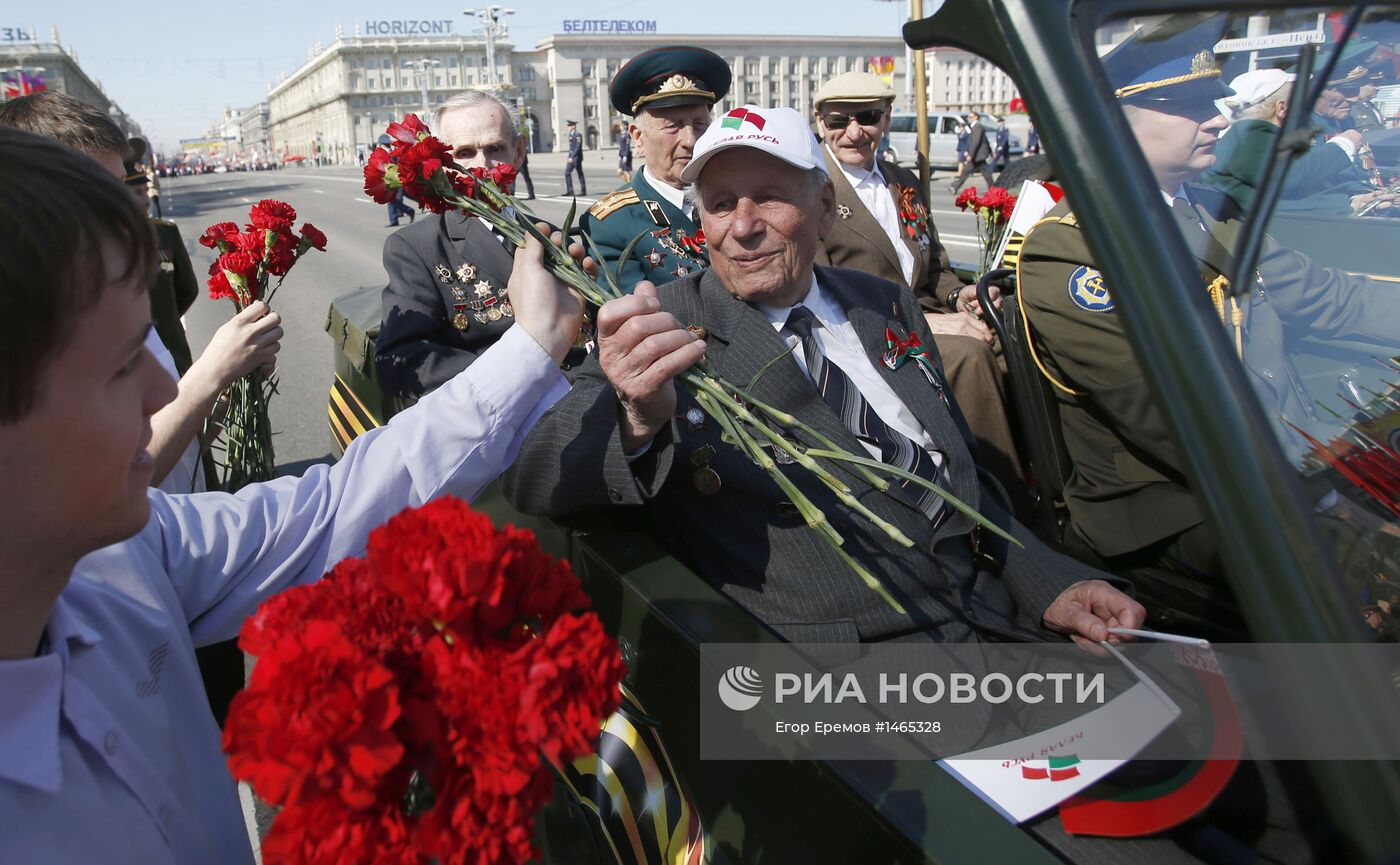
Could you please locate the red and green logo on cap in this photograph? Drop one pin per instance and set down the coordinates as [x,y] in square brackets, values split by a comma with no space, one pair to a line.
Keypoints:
[736,118]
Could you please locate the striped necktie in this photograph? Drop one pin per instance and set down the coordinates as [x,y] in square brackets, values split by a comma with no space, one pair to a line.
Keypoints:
[896,449]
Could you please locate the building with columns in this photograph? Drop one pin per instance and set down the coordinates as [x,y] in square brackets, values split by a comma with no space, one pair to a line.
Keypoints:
[566,77]
[24,62]
[343,96]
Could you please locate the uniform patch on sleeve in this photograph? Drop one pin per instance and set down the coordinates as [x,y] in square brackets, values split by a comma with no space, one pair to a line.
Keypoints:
[613,202]
[1087,290]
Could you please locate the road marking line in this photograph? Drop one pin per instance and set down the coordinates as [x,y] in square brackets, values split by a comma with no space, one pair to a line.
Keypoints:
[319,191]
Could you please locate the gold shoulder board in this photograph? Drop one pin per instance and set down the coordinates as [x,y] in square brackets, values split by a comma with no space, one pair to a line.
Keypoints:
[612,202]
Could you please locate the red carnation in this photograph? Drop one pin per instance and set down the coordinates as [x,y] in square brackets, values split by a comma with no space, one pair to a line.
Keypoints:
[219,287]
[245,264]
[967,198]
[410,131]
[313,236]
[270,214]
[381,177]
[316,719]
[222,232]
[503,175]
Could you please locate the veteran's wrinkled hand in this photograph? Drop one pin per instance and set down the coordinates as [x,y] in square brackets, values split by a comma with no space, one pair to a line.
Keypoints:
[642,349]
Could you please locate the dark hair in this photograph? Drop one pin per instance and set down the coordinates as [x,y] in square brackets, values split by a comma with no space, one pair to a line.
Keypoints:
[57,207]
[71,121]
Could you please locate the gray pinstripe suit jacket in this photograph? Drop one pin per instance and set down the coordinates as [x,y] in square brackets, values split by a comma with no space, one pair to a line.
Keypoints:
[747,540]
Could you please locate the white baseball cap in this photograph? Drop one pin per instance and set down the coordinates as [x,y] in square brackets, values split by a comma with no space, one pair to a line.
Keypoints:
[1251,88]
[781,132]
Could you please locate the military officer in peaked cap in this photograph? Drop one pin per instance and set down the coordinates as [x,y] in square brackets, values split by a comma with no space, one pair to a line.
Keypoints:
[668,92]
[1128,494]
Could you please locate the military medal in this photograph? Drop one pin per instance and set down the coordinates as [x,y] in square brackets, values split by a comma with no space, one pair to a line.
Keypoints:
[655,259]
[707,481]
[467,272]
[461,322]
[443,274]
[843,211]
[698,330]
[483,289]
[696,418]
[681,270]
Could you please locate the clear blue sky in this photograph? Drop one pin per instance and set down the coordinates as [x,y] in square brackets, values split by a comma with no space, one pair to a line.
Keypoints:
[174,67]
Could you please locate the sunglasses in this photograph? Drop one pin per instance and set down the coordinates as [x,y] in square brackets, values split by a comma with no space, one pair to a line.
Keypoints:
[837,120]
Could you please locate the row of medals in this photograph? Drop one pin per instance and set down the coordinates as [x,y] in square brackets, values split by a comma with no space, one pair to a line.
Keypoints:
[487,306]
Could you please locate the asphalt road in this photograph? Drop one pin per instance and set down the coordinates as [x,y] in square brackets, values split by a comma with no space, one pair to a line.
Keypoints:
[332,198]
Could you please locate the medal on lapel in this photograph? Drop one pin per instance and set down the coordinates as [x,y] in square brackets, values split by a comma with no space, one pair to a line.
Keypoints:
[706,480]
[443,273]
[460,320]
[898,351]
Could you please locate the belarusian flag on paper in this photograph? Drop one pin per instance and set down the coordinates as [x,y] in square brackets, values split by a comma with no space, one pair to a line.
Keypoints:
[1049,770]
[1032,203]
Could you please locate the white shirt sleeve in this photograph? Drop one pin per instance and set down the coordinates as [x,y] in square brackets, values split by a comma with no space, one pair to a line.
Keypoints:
[226,553]
[1346,144]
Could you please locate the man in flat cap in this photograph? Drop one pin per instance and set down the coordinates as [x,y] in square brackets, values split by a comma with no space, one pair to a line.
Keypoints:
[812,340]
[668,92]
[574,163]
[883,227]
[1129,497]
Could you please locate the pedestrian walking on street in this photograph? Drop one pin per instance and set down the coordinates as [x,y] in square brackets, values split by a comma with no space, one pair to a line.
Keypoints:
[397,208]
[624,157]
[979,153]
[525,173]
[1002,152]
[575,161]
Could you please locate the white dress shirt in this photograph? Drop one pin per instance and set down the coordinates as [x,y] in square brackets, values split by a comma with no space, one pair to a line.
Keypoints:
[187,475]
[841,345]
[108,751]
[666,190]
[875,194]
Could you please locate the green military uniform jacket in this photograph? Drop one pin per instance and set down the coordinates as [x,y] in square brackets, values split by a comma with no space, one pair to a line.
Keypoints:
[672,246]
[1128,488]
[173,292]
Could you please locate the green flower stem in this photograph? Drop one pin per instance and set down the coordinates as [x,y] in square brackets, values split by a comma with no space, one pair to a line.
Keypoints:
[787,419]
[811,514]
[948,497]
[870,581]
[804,459]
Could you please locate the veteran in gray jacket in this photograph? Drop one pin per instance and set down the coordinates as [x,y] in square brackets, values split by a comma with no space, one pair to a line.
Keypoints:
[627,437]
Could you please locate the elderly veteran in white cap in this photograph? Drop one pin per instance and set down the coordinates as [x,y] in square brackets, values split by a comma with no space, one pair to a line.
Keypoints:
[826,345]
[883,227]
[1323,178]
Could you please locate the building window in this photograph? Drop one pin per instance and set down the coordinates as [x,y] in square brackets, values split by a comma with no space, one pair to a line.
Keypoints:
[587,70]
[374,102]
[384,63]
[437,80]
[453,79]
[452,63]
[370,83]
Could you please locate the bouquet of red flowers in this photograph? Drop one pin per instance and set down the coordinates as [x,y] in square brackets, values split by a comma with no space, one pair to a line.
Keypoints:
[247,261]
[422,166]
[405,708]
[993,211]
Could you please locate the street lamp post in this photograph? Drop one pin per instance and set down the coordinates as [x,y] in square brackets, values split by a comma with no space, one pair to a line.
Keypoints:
[491,19]
[916,12]
[421,66]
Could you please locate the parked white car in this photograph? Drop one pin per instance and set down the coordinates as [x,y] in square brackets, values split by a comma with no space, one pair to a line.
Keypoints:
[942,137]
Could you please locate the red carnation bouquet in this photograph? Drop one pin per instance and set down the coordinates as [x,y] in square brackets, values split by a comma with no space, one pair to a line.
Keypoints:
[993,211]
[247,261]
[406,708]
